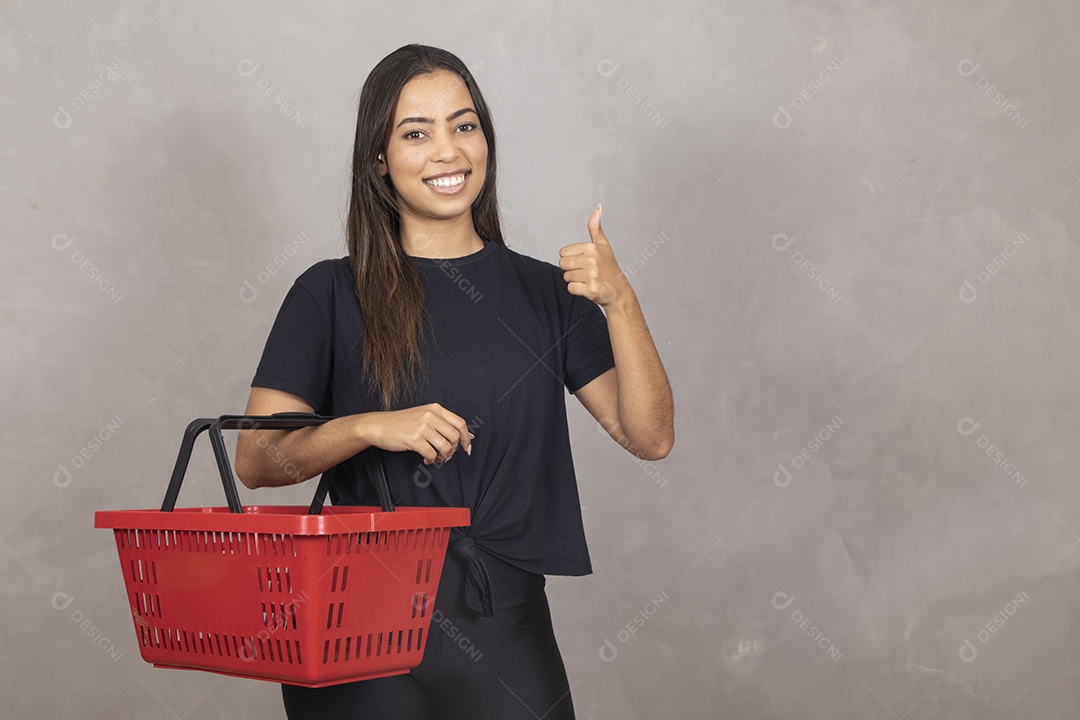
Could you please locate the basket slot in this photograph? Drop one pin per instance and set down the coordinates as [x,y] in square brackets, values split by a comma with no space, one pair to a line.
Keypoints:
[424,600]
[330,615]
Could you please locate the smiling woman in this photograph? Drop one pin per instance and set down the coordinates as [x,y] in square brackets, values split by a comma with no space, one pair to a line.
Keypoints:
[432,319]
[437,165]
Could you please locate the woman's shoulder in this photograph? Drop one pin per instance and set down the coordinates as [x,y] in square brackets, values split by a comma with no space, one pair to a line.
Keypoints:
[326,274]
[528,266]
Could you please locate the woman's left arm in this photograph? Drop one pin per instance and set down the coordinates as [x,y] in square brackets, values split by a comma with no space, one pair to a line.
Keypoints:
[633,400]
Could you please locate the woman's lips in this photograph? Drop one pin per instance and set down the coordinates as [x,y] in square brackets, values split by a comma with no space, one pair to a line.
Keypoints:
[451,189]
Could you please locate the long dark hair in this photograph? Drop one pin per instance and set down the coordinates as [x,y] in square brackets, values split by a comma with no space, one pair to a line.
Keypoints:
[389,287]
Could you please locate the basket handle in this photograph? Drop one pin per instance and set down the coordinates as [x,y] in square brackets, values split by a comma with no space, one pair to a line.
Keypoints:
[371,459]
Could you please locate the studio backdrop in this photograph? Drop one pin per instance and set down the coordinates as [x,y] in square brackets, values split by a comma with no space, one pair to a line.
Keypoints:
[851,227]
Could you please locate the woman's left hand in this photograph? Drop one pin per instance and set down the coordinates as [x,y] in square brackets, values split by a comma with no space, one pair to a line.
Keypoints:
[590,269]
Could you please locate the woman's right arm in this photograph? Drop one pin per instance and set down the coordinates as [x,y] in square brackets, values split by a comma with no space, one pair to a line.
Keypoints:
[268,458]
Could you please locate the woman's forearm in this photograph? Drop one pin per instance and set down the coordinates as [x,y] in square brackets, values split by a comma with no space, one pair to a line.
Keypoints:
[646,408]
[272,458]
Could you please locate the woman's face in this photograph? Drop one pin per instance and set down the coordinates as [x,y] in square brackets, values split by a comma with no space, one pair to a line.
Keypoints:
[435,131]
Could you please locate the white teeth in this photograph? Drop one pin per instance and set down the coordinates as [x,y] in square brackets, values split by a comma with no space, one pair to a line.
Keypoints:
[447,181]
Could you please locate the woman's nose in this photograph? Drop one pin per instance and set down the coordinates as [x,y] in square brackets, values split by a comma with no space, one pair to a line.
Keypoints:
[445,147]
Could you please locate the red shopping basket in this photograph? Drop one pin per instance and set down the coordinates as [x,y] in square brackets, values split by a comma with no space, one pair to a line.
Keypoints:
[308,596]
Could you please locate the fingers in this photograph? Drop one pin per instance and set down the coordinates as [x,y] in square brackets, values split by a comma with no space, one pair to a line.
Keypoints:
[444,432]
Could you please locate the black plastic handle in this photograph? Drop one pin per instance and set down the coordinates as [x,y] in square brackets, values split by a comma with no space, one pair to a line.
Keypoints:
[371,459]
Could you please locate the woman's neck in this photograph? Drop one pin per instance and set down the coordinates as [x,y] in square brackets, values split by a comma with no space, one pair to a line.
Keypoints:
[424,237]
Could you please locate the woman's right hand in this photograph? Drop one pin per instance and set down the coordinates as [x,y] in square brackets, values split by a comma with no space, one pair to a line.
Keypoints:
[431,430]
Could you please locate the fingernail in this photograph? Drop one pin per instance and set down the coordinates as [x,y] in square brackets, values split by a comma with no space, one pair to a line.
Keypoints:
[471,435]
[468,450]
[601,209]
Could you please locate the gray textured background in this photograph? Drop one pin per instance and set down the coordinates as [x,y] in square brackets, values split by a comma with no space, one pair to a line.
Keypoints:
[848,224]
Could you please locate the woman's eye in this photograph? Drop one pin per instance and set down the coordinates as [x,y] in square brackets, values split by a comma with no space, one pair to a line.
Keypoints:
[408,135]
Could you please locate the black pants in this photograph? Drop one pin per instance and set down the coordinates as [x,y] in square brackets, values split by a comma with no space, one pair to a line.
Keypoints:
[502,667]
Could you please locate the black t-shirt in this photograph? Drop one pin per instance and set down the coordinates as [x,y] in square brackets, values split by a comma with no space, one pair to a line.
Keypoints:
[508,336]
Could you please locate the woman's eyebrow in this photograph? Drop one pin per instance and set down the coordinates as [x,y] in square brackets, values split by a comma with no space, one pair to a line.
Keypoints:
[449,117]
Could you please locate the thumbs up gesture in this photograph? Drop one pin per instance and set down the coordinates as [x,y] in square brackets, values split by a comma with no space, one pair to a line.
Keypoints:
[590,268]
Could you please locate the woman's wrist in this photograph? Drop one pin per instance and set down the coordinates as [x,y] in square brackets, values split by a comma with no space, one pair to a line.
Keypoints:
[363,429]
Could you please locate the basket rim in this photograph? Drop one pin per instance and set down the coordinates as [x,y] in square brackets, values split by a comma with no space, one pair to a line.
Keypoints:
[285,519]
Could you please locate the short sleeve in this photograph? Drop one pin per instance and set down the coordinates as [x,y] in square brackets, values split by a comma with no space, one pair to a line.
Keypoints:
[298,357]
[587,346]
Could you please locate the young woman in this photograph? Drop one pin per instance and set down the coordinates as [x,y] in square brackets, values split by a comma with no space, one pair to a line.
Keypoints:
[433,335]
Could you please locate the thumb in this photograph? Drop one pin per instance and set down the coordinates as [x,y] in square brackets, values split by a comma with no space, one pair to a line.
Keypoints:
[595,231]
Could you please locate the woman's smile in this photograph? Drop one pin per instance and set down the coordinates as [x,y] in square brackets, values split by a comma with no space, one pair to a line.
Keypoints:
[448,184]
